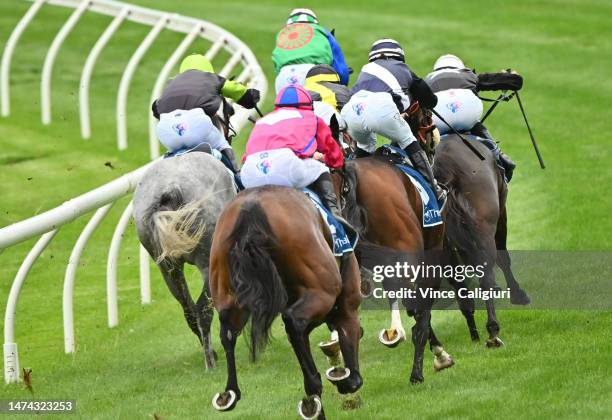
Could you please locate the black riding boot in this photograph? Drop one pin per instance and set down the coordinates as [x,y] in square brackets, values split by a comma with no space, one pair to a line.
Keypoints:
[230,160]
[480,130]
[360,153]
[324,188]
[504,160]
[421,163]
[508,165]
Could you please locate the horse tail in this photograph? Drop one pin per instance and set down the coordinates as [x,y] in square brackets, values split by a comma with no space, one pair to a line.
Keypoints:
[461,229]
[177,227]
[254,277]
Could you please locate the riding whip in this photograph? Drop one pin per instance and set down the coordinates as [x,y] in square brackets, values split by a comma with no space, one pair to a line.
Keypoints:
[467,143]
[533,140]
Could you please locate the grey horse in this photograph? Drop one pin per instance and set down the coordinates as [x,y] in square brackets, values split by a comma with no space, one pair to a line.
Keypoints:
[176,206]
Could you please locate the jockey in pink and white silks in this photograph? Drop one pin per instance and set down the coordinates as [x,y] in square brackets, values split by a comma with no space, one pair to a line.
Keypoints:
[293,147]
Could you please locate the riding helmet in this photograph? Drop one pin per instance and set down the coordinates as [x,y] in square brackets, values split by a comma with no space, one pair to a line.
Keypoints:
[386,48]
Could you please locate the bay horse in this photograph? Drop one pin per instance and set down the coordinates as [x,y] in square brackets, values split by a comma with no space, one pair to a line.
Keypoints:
[479,187]
[272,254]
[176,206]
[386,209]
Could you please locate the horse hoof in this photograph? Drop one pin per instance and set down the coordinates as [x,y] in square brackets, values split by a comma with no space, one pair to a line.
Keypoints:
[442,362]
[337,374]
[360,332]
[415,380]
[310,408]
[493,343]
[351,401]
[330,348]
[475,337]
[519,297]
[225,401]
[390,338]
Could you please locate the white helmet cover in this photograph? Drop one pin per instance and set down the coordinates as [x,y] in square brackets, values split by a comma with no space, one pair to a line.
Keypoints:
[303,16]
[448,60]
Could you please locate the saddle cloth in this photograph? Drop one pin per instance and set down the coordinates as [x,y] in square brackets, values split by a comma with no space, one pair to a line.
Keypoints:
[205,148]
[342,242]
[431,209]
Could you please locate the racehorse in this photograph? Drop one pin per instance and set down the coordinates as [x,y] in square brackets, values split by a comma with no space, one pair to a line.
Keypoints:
[386,208]
[479,187]
[176,205]
[271,254]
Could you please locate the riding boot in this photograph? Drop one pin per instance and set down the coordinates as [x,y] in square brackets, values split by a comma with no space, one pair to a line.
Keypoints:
[229,160]
[421,163]
[480,130]
[508,165]
[324,188]
[360,153]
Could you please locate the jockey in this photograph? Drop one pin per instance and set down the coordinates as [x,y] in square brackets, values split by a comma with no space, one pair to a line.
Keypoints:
[328,96]
[188,105]
[301,44]
[381,96]
[457,90]
[293,147]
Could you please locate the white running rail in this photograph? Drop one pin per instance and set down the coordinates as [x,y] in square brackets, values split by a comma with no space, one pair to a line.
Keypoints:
[101,199]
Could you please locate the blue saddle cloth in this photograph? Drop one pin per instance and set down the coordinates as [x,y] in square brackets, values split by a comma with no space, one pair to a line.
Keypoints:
[431,209]
[342,242]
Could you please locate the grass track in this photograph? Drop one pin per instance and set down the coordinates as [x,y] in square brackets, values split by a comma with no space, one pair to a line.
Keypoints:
[555,364]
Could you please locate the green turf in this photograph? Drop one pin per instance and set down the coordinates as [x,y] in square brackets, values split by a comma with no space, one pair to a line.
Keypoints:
[555,363]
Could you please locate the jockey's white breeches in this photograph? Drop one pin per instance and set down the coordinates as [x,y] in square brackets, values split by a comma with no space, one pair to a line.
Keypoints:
[292,74]
[280,167]
[182,129]
[461,108]
[370,113]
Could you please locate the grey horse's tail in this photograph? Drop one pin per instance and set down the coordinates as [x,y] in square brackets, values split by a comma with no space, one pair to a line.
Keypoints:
[177,227]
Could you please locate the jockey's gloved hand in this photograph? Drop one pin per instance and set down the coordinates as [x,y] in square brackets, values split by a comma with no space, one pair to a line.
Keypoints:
[249,99]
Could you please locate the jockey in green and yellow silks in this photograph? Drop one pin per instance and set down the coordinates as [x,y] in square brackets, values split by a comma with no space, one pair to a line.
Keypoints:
[302,43]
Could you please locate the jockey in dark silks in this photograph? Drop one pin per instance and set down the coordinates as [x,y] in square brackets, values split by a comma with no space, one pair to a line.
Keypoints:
[381,96]
[188,106]
[301,44]
[457,89]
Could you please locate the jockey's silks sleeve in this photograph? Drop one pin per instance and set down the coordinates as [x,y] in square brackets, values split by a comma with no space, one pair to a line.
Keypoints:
[327,145]
[233,90]
[338,62]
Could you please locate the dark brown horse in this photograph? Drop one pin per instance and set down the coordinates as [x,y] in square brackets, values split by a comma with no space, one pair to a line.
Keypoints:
[386,209]
[478,187]
[271,254]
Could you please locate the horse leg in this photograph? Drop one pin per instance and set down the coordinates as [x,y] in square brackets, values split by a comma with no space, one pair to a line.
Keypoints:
[346,320]
[232,320]
[467,308]
[205,313]
[487,282]
[420,333]
[175,280]
[442,359]
[299,321]
[517,295]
